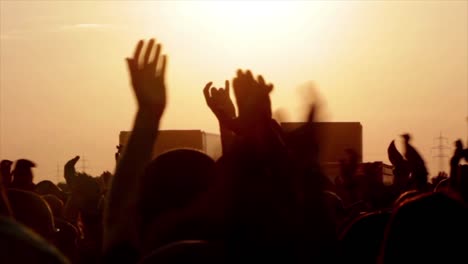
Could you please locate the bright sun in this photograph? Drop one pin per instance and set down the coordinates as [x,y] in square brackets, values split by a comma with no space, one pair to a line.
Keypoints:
[267,17]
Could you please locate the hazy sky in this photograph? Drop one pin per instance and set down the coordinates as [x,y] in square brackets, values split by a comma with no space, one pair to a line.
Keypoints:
[393,66]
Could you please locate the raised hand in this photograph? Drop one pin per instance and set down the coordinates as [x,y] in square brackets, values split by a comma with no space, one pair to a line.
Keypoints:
[219,101]
[252,97]
[69,170]
[147,75]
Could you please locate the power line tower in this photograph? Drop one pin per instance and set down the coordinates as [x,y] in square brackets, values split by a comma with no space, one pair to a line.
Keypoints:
[442,143]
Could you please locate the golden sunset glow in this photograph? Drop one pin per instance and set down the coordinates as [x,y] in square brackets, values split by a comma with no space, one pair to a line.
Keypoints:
[393,66]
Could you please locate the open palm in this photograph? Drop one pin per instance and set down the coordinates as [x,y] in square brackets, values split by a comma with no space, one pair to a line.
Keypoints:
[147,74]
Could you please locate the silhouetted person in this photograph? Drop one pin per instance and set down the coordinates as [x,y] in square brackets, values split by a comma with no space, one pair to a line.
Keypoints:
[430,228]
[459,176]
[440,177]
[56,205]
[83,207]
[443,186]
[67,240]
[263,200]
[401,168]
[147,75]
[417,165]
[49,188]
[361,240]
[5,172]
[23,175]
[406,196]
[463,182]
[19,244]
[171,183]
[32,211]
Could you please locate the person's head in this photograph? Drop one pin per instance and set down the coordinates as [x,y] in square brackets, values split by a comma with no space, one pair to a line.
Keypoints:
[442,186]
[55,204]
[429,228]
[405,196]
[360,241]
[66,238]
[104,181]
[48,187]
[86,192]
[23,175]
[63,187]
[32,211]
[5,172]
[172,182]
[406,137]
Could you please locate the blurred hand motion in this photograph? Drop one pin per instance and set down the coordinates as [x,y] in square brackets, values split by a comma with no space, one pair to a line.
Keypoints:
[147,70]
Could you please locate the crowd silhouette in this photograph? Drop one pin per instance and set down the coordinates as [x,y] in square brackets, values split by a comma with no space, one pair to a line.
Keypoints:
[266,200]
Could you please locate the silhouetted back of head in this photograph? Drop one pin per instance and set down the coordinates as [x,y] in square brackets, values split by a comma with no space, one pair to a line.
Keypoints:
[361,240]
[32,211]
[174,179]
[406,137]
[66,238]
[430,228]
[405,196]
[22,175]
[55,204]
[48,187]
[172,182]
[86,194]
[442,186]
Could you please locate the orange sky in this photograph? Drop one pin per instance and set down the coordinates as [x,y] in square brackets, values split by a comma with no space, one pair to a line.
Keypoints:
[393,66]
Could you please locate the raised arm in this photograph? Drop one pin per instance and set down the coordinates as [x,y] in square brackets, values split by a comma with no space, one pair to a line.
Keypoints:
[69,171]
[220,103]
[147,77]
[254,122]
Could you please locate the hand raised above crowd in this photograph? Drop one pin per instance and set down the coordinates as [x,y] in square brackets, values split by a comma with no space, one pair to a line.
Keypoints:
[147,72]
[253,98]
[219,101]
